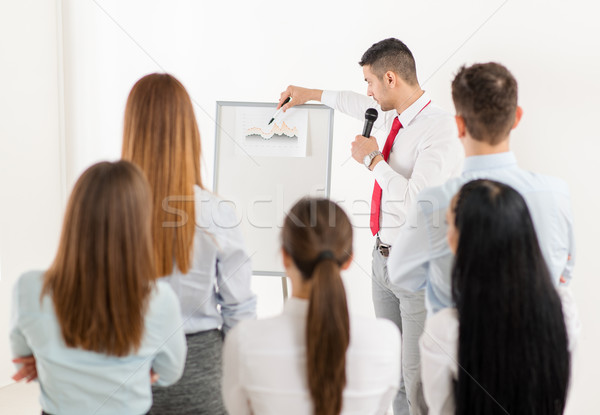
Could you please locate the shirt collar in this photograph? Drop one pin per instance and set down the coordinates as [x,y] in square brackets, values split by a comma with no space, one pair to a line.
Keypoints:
[411,112]
[490,161]
[296,306]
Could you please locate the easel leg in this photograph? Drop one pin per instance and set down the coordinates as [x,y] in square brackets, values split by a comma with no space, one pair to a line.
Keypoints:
[284,287]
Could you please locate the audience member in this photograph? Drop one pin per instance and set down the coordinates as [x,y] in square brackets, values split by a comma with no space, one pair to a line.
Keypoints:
[197,246]
[96,323]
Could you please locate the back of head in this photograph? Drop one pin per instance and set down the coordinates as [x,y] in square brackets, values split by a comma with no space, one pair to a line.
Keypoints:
[513,348]
[104,269]
[485,95]
[391,55]
[161,136]
[317,235]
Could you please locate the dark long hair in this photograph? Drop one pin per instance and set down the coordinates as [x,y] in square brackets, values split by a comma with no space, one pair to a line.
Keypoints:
[317,235]
[513,346]
[103,272]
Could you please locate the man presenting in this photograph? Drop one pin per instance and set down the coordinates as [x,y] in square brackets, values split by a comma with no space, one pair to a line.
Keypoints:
[420,151]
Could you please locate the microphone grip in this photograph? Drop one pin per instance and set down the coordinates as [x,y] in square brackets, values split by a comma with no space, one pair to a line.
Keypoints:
[367,128]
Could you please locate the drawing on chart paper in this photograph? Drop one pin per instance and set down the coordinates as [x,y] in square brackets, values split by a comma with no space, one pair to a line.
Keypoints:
[284,137]
[278,131]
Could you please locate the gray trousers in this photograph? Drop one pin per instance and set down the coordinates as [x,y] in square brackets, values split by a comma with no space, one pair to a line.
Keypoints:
[407,311]
[199,389]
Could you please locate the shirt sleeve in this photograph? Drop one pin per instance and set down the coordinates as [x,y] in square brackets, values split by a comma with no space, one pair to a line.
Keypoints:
[407,264]
[355,105]
[234,272]
[439,353]
[420,257]
[170,358]
[18,342]
[434,164]
[566,211]
[234,395]
[571,316]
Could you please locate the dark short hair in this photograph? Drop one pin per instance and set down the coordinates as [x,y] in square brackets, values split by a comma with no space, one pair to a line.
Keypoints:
[485,95]
[391,55]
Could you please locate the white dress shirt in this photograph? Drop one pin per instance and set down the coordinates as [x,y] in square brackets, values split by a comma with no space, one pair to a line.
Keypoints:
[265,365]
[421,257]
[215,293]
[426,152]
[439,353]
[74,381]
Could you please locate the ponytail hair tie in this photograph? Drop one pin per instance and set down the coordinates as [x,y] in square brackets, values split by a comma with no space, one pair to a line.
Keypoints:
[327,254]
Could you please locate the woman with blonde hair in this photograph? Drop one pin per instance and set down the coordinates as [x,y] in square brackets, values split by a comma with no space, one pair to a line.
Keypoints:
[197,245]
[94,326]
[313,359]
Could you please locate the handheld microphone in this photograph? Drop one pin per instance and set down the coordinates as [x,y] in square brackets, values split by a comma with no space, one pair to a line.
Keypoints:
[370,116]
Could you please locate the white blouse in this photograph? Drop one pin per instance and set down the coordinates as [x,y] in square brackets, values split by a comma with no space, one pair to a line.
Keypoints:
[265,365]
[439,353]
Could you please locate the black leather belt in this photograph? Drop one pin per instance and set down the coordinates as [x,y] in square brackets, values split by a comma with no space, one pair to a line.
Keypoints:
[384,249]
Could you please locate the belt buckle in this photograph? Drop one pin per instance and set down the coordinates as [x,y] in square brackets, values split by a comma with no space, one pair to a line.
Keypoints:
[384,249]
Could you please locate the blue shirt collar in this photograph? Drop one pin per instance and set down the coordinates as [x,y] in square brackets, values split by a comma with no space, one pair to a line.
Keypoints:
[490,161]
[411,112]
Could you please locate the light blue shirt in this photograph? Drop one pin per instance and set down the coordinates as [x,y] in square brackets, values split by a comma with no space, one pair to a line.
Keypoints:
[74,381]
[421,258]
[215,292]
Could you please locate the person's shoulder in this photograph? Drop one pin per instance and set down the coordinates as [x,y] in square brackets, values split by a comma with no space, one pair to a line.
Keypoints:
[434,110]
[213,212]
[204,201]
[27,291]
[438,127]
[257,335]
[203,195]
[163,298]
[531,183]
[552,183]
[30,282]
[31,278]
[435,114]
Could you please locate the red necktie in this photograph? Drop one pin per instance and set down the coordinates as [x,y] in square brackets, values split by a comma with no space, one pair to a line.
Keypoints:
[376,200]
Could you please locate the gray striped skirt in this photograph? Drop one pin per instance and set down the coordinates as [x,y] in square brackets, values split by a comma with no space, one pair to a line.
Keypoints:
[199,389]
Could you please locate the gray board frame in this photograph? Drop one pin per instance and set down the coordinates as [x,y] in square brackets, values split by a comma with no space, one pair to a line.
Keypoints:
[218,161]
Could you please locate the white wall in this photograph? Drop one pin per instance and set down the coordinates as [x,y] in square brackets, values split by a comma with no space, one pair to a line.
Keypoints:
[250,51]
[30,175]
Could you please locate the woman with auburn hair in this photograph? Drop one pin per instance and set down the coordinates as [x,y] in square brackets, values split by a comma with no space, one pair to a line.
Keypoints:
[197,244]
[94,326]
[511,331]
[313,359]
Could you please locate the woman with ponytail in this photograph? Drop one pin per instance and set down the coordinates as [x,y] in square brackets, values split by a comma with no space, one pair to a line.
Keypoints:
[505,347]
[313,359]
